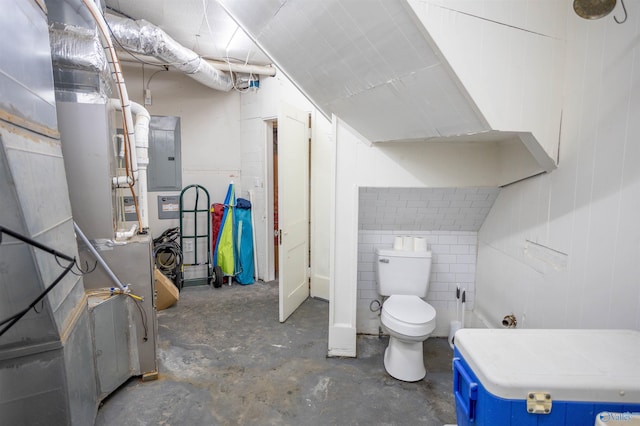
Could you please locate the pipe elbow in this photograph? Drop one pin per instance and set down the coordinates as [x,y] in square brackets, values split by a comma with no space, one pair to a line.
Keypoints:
[509,321]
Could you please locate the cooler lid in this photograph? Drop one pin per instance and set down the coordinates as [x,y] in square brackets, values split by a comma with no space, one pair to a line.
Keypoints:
[571,365]
[409,309]
[402,253]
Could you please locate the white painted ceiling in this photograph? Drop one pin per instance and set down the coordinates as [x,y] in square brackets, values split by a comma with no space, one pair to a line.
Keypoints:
[370,62]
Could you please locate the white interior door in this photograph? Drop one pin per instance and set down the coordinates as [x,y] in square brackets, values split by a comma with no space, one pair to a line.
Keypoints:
[293,208]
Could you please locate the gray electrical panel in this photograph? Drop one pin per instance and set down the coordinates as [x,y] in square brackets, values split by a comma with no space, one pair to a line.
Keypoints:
[165,162]
[168,207]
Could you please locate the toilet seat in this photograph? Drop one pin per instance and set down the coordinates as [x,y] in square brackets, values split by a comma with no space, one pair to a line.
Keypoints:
[408,315]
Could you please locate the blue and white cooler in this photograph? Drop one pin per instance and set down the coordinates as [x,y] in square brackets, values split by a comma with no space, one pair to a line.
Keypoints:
[524,377]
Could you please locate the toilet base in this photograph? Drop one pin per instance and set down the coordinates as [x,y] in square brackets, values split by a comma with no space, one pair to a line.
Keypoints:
[404,360]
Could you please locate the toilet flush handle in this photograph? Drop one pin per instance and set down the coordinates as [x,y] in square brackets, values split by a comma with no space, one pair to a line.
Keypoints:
[384,260]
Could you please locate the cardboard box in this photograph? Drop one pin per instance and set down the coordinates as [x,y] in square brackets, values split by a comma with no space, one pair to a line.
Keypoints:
[167,293]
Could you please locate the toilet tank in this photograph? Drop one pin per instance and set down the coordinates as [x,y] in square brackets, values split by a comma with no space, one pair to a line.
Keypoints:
[402,272]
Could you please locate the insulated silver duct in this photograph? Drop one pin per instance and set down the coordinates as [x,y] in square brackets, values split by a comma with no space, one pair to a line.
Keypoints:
[80,68]
[147,39]
[77,47]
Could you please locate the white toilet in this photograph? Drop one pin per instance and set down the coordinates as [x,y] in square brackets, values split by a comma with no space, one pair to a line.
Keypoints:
[409,320]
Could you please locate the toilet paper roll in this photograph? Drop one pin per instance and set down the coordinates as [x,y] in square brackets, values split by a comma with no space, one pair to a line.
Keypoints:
[407,243]
[419,244]
[398,243]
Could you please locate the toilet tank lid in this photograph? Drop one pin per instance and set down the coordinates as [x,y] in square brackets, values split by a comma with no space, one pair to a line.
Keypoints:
[401,253]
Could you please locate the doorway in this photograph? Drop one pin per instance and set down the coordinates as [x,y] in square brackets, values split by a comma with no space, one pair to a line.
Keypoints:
[288,203]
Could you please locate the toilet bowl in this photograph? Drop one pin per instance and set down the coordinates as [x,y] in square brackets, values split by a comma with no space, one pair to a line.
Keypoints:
[403,277]
[409,321]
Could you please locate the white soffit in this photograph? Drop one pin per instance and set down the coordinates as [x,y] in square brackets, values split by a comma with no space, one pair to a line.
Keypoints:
[370,62]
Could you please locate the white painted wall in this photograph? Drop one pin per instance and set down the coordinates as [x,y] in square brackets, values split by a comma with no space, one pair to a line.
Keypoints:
[256,108]
[563,249]
[395,165]
[210,126]
[509,56]
[224,139]
[322,169]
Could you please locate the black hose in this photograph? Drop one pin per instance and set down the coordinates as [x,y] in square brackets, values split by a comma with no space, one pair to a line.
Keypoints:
[168,254]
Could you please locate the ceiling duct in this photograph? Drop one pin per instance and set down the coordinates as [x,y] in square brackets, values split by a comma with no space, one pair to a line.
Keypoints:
[80,67]
[145,38]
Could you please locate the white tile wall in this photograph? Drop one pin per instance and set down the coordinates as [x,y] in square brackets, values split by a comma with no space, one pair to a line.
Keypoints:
[448,218]
[425,209]
[453,262]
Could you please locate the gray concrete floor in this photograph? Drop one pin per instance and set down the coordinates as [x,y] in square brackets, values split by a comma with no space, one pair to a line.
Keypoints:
[224,359]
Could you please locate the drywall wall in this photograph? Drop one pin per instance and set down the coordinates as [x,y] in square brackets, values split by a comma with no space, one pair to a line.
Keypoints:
[561,250]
